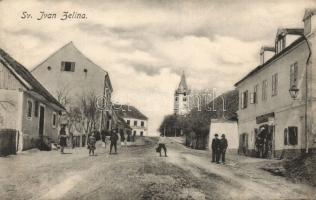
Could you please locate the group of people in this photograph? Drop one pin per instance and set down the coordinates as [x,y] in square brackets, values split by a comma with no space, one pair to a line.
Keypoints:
[219,147]
[91,141]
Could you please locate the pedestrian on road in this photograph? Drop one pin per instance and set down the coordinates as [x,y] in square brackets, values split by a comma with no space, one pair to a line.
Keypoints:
[62,138]
[223,147]
[91,144]
[215,149]
[113,139]
[162,144]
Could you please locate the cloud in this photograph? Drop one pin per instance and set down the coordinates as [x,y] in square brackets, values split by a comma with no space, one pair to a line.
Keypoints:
[29,32]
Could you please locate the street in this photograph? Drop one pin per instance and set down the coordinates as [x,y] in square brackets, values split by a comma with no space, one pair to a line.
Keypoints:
[137,172]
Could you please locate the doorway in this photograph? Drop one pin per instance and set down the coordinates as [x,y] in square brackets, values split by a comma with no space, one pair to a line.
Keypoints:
[41,122]
[265,141]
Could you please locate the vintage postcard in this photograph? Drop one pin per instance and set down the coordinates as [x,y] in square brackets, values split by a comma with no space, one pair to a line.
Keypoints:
[157,99]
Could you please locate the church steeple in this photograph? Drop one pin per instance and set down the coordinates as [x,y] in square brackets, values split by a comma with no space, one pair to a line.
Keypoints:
[181,106]
[183,87]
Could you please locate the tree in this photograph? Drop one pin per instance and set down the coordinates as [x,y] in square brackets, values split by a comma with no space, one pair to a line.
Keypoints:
[90,113]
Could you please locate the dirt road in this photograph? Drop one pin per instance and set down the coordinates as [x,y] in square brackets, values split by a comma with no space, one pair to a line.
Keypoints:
[139,173]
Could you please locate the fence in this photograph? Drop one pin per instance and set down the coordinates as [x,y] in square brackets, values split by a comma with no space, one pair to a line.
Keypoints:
[7,142]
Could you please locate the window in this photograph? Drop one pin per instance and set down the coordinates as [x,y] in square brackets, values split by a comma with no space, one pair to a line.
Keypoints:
[176,99]
[184,99]
[128,122]
[253,96]
[245,99]
[142,123]
[293,75]
[264,90]
[68,66]
[54,119]
[36,105]
[292,135]
[29,109]
[280,45]
[274,84]
[135,123]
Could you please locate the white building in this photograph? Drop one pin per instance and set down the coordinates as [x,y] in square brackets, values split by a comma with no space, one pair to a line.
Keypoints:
[134,118]
[272,121]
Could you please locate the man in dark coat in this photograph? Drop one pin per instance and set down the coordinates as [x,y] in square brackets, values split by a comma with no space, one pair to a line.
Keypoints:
[215,149]
[113,139]
[223,147]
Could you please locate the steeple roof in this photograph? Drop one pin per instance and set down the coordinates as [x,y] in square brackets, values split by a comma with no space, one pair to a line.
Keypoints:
[183,84]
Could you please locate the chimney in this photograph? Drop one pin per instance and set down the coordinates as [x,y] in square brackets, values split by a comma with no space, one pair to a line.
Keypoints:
[264,54]
[309,24]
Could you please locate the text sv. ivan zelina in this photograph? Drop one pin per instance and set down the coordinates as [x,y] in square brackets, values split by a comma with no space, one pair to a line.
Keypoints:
[49,15]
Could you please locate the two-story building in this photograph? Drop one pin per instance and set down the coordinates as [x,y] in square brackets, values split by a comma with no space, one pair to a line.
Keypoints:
[26,107]
[277,111]
[134,118]
[72,77]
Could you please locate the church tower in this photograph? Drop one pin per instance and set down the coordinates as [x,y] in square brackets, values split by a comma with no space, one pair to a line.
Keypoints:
[181,95]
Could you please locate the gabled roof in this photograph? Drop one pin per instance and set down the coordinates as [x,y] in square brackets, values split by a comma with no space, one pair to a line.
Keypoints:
[71,44]
[26,78]
[275,57]
[128,111]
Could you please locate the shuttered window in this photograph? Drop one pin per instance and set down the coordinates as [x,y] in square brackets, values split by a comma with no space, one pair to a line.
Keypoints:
[29,109]
[264,90]
[292,135]
[274,84]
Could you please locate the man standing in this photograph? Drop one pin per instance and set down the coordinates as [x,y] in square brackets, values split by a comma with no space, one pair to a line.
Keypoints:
[215,149]
[223,147]
[162,144]
[113,139]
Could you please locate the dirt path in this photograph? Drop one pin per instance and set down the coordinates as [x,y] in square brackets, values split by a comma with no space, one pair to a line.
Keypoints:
[138,173]
[240,181]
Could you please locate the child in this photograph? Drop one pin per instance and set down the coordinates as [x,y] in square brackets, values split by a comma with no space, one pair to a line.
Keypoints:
[91,144]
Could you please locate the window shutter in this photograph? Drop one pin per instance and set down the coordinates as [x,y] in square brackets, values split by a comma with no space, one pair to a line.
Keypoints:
[252,98]
[285,137]
[62,67]
[72,66]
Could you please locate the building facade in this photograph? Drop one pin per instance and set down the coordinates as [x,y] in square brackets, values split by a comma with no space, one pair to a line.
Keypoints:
[272,122]
[136,120]
[181,98]
[72,77]
[26,106]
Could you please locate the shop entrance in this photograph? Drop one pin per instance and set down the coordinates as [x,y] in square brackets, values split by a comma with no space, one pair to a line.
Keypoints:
[265,141]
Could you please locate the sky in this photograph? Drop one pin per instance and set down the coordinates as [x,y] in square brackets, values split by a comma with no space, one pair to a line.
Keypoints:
[146,45]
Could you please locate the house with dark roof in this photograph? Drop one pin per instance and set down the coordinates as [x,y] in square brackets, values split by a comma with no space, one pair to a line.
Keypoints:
[26,106]
[133,117]
[277,99]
